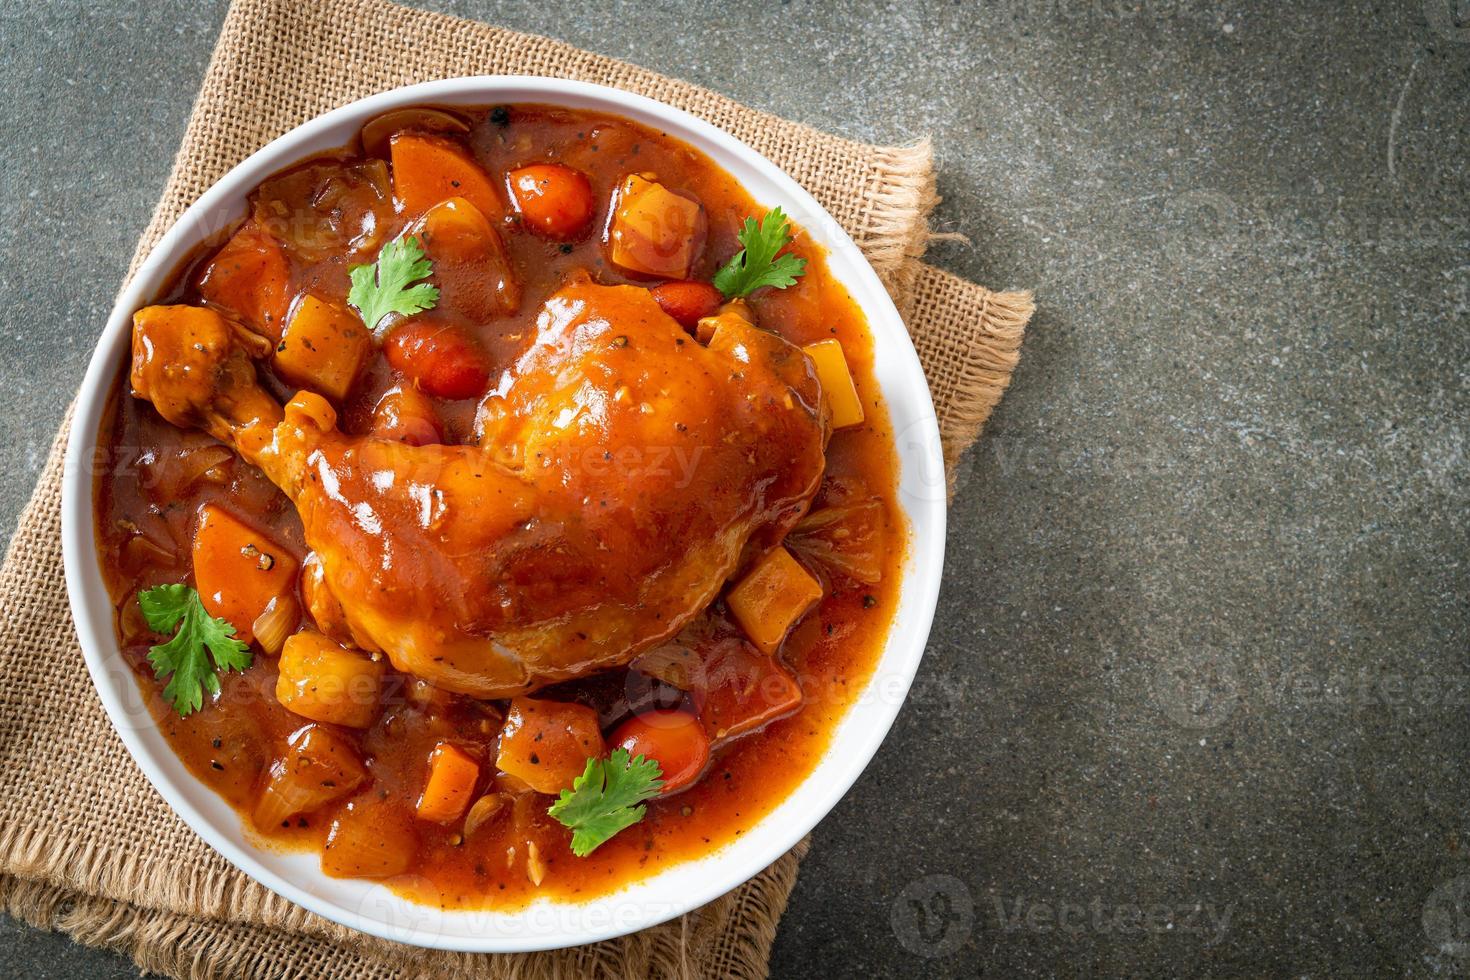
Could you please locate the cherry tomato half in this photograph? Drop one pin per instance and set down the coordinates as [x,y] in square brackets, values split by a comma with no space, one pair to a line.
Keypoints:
[439,358]
[676,740]
[687,301]
[553,200]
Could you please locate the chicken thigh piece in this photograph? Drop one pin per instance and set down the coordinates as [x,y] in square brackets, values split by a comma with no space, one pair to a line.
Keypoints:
[621,470]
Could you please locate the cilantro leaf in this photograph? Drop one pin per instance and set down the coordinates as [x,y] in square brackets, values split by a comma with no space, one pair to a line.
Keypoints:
[184,656]
[606,798]
[390,285]
[757,264]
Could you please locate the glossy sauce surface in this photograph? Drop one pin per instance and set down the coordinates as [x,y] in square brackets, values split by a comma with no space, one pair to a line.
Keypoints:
[333,214]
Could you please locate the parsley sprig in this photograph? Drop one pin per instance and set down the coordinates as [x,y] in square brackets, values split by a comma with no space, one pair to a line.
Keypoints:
[185,657]
[757,264]
[391,284]
[606,798]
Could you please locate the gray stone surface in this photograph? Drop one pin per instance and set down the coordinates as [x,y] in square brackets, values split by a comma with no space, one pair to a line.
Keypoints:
[1196,698]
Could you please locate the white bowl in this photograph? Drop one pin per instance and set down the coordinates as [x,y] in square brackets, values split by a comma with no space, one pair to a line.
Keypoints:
[544,924]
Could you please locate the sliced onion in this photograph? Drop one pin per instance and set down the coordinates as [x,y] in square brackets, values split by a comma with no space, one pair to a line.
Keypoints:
[142,551]
[279,621]
[535,867]
[171,474]
[377,132]
[845,539]
[482,810]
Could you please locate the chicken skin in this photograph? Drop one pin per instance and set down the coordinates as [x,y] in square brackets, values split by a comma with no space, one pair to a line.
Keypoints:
[620,472]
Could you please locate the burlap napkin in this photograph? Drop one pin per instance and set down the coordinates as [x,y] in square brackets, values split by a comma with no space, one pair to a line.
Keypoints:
[86,846]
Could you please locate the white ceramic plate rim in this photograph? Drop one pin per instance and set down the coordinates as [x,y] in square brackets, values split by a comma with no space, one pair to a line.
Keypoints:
[544,924]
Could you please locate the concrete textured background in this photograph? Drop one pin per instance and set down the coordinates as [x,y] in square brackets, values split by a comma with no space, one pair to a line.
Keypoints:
[1196,699]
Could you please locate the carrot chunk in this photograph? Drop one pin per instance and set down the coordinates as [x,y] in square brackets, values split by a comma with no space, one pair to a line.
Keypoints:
[837,383]
[688,302]
[251,278]
[238,570]
[772,597]
[452,778]
[553,200]
[676,740]
[430,169]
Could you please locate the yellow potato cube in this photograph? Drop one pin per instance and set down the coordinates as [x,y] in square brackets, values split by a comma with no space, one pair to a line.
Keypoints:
[323,681]
[771,597]
[323,349]
[837,383]
[654,230]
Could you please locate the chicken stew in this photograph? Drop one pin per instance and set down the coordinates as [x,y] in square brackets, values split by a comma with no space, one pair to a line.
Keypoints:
[505,507]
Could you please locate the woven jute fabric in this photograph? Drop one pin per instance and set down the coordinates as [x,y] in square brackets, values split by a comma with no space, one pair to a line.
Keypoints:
[86,845]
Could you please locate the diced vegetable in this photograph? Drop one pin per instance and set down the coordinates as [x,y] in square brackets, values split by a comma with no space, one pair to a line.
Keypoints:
[471,265]
[323,681]
[847,538]
[687,302]
[319,766]
[745,690]
[238,570]
[736,688]
[485,809]
[405,414]
[430,169]
[370,839]
[326,611]
[676,740]
[250,278]
[653,230]
[547,743]
[323,348]
[736,314]
[837,383]
[439,358]
[553,200]
[172,471]
[451,784]
[772,597]
[379,130]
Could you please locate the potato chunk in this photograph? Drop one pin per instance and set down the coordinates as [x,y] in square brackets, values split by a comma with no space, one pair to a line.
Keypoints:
[323,348]
[547,743]
[772,596]
[654,231]
[471,264]
[251,278]
[323,681]
[370,839]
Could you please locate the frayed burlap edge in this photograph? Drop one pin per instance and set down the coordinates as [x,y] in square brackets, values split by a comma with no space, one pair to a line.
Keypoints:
[187,946]
[1001,326]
